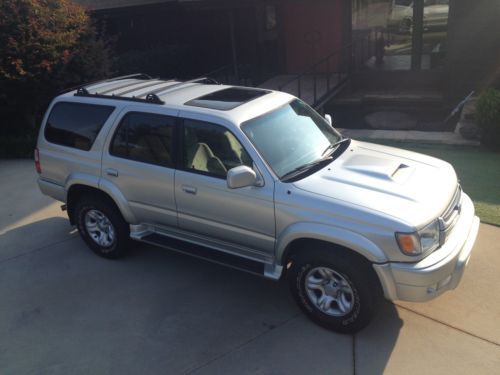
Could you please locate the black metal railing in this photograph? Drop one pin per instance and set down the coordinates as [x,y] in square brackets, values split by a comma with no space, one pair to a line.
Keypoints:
[328,75]
[368,44]
[332,70]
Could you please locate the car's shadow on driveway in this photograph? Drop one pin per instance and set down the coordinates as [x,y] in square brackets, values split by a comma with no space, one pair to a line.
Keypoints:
[160,311]
[375,344]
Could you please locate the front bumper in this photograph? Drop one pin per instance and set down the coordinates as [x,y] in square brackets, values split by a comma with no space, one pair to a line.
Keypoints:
[442,270]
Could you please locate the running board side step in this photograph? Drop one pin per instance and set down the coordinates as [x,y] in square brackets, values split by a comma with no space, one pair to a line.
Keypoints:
[206,253]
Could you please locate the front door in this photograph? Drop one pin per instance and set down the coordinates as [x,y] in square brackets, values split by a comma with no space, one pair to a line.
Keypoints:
[241,217]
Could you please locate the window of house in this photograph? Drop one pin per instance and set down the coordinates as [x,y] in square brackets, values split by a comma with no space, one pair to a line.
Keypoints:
[75,124]
[146,138]
[211,149]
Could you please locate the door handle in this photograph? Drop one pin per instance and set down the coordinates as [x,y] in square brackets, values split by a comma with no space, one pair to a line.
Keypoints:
[189,189]
[112,172]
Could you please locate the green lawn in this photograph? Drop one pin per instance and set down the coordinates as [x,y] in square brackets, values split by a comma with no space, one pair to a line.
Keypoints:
[478,170]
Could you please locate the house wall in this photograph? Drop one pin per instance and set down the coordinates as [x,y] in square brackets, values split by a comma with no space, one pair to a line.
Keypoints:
[304,32]
[203,35]
[312,30]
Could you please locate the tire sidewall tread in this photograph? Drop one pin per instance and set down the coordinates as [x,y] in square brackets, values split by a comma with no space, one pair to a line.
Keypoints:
[122,240]
[365,295]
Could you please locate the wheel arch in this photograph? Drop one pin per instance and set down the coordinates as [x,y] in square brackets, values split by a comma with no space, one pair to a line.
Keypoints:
[313,245]
[298,235]
[78,189]
[316,246]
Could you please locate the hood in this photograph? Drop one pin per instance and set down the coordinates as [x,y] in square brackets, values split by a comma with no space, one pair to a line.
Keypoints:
[411,187]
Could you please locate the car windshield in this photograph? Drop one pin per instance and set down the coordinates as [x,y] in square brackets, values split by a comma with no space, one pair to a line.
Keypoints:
[291,136]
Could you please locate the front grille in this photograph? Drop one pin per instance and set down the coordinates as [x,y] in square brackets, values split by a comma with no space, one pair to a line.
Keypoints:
[450,216]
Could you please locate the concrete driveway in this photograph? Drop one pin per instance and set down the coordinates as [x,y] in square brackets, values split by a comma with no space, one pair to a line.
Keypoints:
[64,310]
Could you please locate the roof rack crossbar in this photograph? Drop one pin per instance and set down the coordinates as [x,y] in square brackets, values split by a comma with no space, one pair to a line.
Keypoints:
[115,88]
[150,98]
[161,89]
[128,76]
[177,86]
[93,83]
[140,76]
[143,86]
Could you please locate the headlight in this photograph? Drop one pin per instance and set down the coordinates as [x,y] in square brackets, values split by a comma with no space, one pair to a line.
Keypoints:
[423,241]
[429,237]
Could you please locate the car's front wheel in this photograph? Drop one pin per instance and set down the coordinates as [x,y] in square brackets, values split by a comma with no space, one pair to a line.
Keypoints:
[334,291]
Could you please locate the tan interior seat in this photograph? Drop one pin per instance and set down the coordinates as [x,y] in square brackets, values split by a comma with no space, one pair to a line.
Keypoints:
[203,159]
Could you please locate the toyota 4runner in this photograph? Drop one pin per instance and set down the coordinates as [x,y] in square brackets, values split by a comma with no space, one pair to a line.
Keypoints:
[257,180]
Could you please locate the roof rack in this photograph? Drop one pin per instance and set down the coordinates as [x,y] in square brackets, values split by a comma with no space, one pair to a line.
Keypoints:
[169,88]
[150,98]
[129,76]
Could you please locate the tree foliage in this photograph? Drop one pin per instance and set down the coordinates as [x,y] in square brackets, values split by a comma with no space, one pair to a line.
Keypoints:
[45,46]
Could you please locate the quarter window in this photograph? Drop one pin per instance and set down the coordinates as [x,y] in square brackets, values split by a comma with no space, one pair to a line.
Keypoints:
[144,137]
[75,124]
[212,149]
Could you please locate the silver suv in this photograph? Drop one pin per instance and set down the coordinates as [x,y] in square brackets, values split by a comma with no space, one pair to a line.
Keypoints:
[257,180]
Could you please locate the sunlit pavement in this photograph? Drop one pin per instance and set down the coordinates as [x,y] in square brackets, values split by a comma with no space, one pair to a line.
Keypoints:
[64,310]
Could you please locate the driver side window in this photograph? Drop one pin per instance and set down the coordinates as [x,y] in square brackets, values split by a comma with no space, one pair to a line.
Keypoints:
[211,149]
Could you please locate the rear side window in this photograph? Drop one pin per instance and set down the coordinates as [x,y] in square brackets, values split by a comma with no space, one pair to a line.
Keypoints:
[75,124]
[145,137]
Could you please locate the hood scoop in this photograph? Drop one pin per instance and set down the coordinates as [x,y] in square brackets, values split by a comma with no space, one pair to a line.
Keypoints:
[381,168]
[402,168]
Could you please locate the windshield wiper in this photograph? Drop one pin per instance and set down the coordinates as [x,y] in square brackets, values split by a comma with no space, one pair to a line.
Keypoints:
[334,145]
[303,168]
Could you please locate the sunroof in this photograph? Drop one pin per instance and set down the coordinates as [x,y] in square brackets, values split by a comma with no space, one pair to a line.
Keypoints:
[227,99]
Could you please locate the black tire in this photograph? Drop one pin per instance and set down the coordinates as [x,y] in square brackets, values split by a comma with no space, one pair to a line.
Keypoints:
[366,292]
[121,238]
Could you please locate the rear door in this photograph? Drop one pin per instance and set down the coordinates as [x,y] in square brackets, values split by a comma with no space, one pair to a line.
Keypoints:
[138,161]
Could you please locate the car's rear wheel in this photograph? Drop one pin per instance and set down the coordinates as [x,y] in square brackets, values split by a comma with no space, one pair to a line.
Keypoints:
[102,227]
[335,291]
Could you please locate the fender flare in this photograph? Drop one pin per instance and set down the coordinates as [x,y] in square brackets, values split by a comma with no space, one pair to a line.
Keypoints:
[107,188]
[112,190]
[331,234]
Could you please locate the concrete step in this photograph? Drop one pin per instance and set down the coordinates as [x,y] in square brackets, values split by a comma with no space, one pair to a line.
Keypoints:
[390,97]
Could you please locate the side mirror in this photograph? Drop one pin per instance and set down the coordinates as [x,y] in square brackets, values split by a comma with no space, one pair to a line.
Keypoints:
[329,120]
[241,176]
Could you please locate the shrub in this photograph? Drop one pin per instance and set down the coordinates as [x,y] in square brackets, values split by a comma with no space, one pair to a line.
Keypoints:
[488,117]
